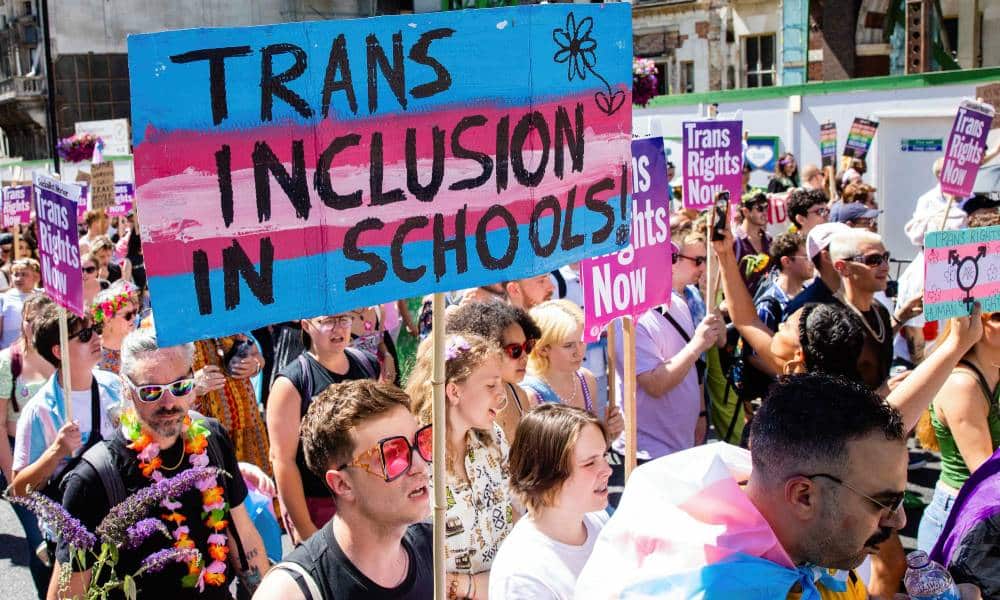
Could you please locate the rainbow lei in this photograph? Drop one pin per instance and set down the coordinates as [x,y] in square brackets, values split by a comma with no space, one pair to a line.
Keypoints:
[214,506]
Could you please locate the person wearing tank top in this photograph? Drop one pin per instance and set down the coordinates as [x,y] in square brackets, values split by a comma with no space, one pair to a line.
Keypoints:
[555,371]
[963,422]
[516,333]
[305,501]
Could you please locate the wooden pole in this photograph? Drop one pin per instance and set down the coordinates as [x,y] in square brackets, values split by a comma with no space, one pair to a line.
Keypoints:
[831,181]
[17,241]
[440,422]
[628,392]
[64,366]
[612,354]
[947,210]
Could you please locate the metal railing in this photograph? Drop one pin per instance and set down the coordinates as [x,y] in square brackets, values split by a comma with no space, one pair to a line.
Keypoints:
[20,87]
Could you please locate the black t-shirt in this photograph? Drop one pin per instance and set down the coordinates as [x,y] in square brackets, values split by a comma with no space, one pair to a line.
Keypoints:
[876,356]
[339,579]
[321,378]
[85,499]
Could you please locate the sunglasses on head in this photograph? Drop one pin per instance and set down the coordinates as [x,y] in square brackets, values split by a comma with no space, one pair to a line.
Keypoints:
[872,260]
[697,260]
[89,270]
[153,392]
[88,332]
[515,351]
[396,454]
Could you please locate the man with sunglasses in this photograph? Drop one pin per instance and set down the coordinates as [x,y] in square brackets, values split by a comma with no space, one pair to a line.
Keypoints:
[46,440]
[820,490]
[361,439]
[159,387]
[751,235]
[807,208]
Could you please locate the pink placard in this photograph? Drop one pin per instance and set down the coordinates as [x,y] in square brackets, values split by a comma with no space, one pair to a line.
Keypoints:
[965,148]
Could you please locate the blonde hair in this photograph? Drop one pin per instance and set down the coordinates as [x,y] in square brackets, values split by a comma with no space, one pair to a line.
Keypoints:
[848,244]
[557,319]
[464,353]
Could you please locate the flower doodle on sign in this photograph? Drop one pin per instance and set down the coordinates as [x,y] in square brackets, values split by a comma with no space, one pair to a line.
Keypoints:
[966,272]
[578,50]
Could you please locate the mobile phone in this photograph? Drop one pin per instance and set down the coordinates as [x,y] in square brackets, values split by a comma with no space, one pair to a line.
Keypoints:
[721,216]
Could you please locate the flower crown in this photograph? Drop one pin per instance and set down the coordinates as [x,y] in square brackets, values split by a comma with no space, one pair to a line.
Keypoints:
[102,312]
[455,347]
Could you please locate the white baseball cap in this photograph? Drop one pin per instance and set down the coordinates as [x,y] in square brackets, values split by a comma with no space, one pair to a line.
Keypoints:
[820,236]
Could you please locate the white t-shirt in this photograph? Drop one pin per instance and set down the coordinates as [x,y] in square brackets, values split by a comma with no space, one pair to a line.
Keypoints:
[533,566]
[11,303]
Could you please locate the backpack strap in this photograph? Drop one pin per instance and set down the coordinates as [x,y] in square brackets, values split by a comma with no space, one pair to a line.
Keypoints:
[99,458]
[301,577]
[366,361]
[16,367]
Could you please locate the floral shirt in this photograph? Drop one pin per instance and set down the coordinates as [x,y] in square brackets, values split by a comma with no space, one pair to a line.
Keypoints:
[480,513]
[111,360]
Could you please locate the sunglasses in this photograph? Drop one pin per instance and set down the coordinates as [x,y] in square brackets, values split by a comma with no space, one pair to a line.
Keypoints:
[872,260]
[515,351]
[396,454]
[894,505]
[760,207]
[128,316]
[89,270]
[697,260]
[88,332]
[822,211]
[153,392]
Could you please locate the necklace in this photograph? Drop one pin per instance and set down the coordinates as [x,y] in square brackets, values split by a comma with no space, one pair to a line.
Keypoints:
[566,402]
[880,336]
[214,509]
[175,467]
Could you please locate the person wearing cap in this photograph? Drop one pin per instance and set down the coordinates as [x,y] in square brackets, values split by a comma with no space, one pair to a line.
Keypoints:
[823,289]
[751,236]
[981,204]
[855,215]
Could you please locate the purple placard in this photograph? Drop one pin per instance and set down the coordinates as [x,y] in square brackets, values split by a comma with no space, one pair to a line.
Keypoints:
[16,205]
[58,241]
[633,280]
[712,162]
[124,199]
[966,144]
[81,203]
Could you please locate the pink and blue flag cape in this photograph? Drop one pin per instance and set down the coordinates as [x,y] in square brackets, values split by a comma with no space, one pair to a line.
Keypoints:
[685,530]
[296,170]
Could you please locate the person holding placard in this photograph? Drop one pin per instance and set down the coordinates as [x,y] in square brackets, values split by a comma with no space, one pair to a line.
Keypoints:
[480,512]
[752,243]
[517,334]
[559,472]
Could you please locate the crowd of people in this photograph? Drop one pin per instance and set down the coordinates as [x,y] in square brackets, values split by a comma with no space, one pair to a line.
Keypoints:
[320,429]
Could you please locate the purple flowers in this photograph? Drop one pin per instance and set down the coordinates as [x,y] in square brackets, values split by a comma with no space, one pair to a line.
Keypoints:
[113,529]
[140,532]
[455,347]
[158,561]
[63,524]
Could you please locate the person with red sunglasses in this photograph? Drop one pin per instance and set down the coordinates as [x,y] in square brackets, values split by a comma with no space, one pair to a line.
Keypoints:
[480,512]
[361,439]
[516,333]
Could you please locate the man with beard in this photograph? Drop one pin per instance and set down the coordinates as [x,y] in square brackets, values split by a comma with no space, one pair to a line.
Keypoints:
[752,239]
[160,438]
[821,488]
[361,439]
[530,292]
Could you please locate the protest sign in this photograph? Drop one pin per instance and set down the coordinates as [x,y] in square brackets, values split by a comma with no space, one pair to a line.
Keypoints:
[16,205]
[961,267]
[859,138]
[58,241]
[638,277]
[385,158]
[124,198]
[712,158]
[966,144]
[102,185]
[828,144]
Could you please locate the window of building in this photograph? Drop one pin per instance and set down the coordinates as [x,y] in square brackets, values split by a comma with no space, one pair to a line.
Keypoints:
[686,83]
[662,85]
[758,54]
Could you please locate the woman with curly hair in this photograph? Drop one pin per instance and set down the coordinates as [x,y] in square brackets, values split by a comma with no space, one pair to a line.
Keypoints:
[516,333]
[480,513]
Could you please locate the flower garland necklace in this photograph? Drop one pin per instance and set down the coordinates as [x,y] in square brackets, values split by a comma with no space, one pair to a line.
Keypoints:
[195,434]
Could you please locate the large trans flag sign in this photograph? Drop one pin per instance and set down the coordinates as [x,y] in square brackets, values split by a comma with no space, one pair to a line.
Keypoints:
[296,170]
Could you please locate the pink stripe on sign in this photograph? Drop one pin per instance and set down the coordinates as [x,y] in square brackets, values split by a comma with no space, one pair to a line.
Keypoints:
[957,295]
[940,255]
[163,154]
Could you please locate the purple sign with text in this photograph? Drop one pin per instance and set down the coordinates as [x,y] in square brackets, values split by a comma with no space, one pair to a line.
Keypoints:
[966,144]
[637,278]
[16,205]
[124,199]
[58,241]
[712,162]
